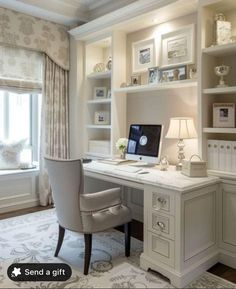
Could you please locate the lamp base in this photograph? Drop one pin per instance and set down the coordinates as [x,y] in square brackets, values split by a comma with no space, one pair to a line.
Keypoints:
[178,167]
[181,155]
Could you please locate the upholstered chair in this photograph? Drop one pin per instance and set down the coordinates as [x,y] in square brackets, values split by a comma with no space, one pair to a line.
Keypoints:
[84,213]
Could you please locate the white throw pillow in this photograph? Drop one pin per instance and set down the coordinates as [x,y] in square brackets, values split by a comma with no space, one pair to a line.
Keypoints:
[10,154]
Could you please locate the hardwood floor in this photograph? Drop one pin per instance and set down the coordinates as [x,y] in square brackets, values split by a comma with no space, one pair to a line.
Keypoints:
[219,269]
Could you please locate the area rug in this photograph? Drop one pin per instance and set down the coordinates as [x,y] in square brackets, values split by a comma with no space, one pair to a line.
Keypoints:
[32,238]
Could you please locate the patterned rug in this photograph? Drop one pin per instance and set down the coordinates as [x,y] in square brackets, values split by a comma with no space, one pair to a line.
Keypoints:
[32,238]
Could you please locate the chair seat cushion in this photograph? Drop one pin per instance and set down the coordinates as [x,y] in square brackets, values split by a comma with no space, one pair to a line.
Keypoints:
[106,219]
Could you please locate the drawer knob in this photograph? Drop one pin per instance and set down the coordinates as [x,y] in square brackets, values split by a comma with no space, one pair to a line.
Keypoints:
[161,225]
[162,201]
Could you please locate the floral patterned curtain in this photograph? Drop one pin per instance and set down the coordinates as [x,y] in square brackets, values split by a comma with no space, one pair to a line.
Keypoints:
[55,122]
[21,30]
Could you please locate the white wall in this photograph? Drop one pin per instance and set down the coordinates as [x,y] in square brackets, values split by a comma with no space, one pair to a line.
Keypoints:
[158,107]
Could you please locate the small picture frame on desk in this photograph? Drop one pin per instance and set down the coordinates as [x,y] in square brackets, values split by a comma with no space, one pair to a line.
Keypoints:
[223,115]
[153,75]
[136,79]
[100,92]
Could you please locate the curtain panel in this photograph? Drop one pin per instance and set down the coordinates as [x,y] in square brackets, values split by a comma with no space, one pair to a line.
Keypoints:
[21,30]
[55,122]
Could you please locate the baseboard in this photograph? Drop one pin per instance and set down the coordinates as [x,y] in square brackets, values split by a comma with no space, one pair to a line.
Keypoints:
[10,207]
[227,258]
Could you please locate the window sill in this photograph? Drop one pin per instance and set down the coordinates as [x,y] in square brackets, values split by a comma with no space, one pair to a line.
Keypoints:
[18,172]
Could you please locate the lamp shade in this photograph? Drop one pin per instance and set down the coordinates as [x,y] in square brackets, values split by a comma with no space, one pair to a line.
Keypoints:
[181,128]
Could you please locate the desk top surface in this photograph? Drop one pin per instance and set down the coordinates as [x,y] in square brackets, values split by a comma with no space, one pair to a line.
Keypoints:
[170,179]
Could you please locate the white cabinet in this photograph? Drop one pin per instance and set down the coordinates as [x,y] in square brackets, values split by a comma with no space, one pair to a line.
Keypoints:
[180,232]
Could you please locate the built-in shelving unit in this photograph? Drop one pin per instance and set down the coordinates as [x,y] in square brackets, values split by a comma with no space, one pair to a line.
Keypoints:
[221,50]
[100,75]
[98,126]
[99,101]
[158,86]
[220,90]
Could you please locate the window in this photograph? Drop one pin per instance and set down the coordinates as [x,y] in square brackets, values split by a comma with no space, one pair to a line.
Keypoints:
[19,119]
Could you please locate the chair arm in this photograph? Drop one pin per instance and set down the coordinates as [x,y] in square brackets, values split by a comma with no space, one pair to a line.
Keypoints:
[100,200]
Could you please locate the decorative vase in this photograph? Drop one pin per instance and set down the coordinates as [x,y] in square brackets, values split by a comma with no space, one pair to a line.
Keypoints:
[222,71]
[122,155]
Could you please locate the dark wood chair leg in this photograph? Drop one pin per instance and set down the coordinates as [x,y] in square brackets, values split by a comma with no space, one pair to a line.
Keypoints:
[127,238]
[88,249]
[60,240]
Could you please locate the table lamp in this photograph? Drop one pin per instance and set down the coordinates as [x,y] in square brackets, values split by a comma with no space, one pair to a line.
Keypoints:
[181,128]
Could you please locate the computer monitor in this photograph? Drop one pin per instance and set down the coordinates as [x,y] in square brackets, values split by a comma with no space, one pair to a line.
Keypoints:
[144,143]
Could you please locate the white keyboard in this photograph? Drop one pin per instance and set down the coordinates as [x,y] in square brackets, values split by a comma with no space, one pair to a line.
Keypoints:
[128,169]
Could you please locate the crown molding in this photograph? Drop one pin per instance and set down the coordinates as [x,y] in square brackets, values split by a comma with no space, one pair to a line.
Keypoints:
[123,14]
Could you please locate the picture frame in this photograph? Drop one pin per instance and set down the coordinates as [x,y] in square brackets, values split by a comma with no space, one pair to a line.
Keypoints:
[153,75]
[102,117]
[177,47]
[143,55]
[223,115]
[135,79]
[100,92]
[109,93]
[173,74]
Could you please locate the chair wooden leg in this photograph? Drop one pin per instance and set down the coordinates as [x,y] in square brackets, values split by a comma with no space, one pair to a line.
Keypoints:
[60,240]
[88,249]
[127,238]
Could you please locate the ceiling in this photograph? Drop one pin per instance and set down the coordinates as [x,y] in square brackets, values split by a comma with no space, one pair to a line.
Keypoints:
[67,12]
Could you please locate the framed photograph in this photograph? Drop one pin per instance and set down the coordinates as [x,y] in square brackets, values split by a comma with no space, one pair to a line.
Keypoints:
[153,75]
[100,92]
[102,117]
[109,93]
[223,115]
[177,47]
[173,74]
[144,55]
[136,79]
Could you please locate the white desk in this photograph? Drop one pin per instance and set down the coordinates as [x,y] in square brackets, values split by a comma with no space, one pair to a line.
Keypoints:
[180,239]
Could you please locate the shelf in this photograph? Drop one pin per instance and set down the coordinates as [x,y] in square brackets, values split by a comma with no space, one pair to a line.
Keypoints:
[220,90]
[98,155]
[219,130]
[99,126]
[221,50]
[222,174]
[97,101]
[158,86]
[100,75]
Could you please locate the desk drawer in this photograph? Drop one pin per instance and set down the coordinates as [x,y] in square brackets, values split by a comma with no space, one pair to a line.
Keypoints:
[162,225]
[162,202]
[161,249]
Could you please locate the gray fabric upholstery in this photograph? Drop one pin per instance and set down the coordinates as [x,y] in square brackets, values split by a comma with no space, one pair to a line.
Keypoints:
[85,213]
[101,200]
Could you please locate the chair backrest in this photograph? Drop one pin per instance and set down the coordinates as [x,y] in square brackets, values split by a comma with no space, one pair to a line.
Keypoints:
[67,182]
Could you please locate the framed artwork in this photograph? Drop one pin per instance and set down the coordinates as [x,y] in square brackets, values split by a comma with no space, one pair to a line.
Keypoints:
[144,55]
[136,79]
[173,74]
[153,75]
[100,92]
[102,117]
[177,47]
[223,115]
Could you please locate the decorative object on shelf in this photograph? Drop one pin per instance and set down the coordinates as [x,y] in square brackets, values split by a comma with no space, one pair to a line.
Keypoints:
[135,79]
[109,64]
[99,67]
[124,84]
[109,93]
[144,55]
[164,164]
[193,72]
[181,128]
[102,117]
[173,74]
[221,71]
[194,168]
[121,145]
[153,75]
[178,46]
[223,115]
[222,30]
[100,92]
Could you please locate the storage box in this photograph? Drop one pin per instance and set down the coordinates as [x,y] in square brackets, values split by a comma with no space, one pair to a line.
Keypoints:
[193,168]
[99,146]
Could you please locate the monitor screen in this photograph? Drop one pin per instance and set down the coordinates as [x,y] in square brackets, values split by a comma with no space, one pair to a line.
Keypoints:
[144,142]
